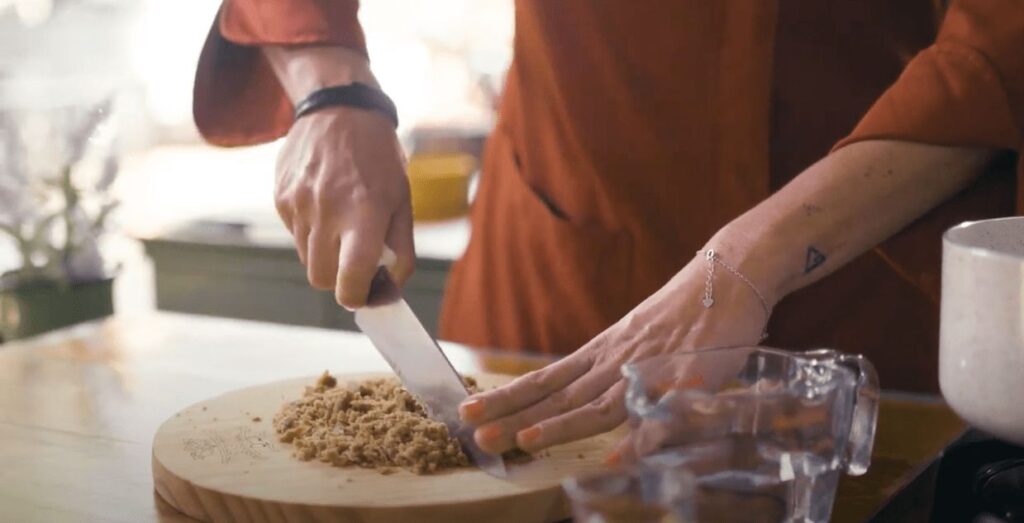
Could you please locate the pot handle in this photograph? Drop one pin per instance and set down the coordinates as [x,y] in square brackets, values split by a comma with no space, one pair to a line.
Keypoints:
[865,414]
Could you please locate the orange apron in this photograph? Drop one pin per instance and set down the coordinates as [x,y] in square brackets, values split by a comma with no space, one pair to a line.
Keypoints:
[629,132]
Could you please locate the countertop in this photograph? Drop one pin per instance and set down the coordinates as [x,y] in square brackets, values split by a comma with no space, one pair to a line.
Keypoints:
[79,407]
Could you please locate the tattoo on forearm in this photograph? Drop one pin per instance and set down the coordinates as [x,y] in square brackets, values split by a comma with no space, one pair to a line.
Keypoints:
[810,209]
[814,259]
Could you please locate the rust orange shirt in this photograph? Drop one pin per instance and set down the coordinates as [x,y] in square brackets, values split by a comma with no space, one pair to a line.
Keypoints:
[629,132]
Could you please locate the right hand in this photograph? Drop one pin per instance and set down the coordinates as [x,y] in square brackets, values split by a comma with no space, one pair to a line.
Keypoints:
[341,190]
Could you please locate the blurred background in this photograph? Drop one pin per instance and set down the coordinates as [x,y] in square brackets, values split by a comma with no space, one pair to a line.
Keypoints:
[105,183]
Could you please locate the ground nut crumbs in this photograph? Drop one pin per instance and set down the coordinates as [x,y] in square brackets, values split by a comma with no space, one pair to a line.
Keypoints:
[375,424]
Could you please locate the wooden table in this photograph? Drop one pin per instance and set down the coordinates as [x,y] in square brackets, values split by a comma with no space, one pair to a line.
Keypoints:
[79,407]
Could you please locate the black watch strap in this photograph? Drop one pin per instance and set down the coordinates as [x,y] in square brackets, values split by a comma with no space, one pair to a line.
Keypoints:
[353,95]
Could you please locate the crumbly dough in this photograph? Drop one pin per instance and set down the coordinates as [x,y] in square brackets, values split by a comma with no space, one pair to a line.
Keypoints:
[375,424]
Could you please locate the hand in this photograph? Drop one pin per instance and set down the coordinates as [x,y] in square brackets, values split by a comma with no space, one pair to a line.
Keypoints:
[341,190]
[583,394]
[681,419]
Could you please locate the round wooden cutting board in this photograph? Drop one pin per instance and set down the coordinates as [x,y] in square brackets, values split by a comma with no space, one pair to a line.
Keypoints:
[219,460]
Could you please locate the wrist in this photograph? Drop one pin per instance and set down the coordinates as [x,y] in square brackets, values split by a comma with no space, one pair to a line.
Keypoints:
[303,70]
[356,95]
[757,255]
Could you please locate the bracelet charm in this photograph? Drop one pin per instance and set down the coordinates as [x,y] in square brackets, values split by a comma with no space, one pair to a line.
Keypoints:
[714,259]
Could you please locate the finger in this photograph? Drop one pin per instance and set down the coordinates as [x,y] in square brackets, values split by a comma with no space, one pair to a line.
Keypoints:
[301,234]
[400,239]
[503,434]
[622,454]
[285,213]
[524,390]
[284,205]
[710,369]
[322,259]
[600,415]
[358,258]
[646,438]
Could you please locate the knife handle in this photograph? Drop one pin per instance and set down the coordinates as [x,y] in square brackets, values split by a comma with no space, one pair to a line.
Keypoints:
[382,288]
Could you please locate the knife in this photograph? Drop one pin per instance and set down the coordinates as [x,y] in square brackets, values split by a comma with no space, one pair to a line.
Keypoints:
[416,358]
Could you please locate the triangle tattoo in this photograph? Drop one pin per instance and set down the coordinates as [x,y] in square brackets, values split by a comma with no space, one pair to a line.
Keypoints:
[814,259]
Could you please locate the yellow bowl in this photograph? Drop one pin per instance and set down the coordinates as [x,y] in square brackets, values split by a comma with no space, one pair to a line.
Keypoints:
[439,184]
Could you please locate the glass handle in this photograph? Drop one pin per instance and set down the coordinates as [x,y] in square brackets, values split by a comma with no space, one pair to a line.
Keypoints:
[865,415]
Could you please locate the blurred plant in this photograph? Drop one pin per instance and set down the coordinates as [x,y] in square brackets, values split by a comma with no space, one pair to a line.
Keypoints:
[56,169]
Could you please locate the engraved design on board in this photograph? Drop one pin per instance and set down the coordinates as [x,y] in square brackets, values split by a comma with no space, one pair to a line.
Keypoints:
[227,445]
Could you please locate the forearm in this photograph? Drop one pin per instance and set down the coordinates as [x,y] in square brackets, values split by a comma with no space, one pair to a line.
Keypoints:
[843,205]
[304,69]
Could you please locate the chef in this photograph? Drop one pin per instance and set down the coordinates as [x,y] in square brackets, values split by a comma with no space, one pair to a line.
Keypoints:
[665,175]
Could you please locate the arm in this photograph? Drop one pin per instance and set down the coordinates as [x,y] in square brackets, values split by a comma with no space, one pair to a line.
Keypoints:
[340,185]
[304,69]
[841,206]
[237,97]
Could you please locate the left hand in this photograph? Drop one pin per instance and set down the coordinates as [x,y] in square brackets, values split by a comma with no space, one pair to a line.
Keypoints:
[582,394]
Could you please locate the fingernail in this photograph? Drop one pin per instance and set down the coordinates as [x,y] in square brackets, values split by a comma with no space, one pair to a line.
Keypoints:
[613,459]
[471,409]
[489,433]
[526,437]
[344,302]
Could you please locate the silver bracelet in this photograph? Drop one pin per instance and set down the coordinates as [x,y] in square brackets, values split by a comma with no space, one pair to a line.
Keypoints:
[709,290]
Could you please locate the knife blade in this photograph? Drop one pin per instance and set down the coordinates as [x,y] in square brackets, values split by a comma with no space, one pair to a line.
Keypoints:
[417,359]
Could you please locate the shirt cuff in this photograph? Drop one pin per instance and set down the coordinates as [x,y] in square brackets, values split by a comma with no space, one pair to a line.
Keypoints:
[237,99]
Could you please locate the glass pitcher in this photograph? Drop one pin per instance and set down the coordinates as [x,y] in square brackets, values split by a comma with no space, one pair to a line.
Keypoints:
[640,494]
[766,432]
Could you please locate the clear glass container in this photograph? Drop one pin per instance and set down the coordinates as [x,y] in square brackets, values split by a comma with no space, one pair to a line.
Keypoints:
[642,494]
[765,432]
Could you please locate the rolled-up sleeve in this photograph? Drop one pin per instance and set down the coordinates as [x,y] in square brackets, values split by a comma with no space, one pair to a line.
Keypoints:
[237,100]
[967,89]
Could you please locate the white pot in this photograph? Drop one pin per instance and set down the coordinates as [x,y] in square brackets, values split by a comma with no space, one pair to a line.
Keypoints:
[981,356]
